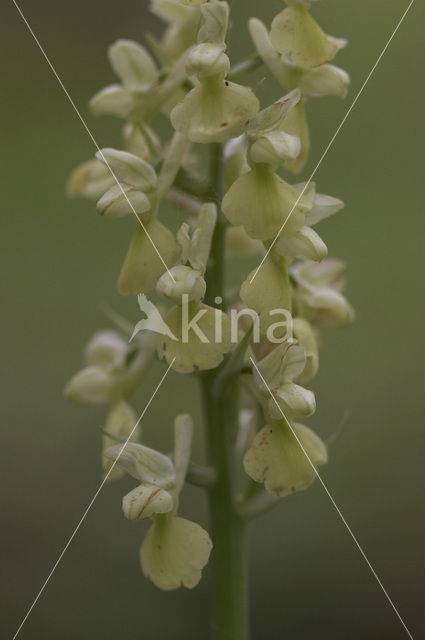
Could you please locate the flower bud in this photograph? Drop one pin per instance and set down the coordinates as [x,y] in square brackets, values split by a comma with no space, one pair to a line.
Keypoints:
[113,100]
[297,35]
[145,501]
[106,349]
[174,552]
[92,385]
[120,200]
[215,19]
[133,65]
[327,80]
[90,179]
[181,281]
[144,464]
[129,168]
[283,461]
[142,266]
[207,60]
[304,244]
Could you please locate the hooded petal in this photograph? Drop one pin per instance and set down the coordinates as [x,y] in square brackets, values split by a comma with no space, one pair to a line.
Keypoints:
[106,349]
[92,385]
[129,168]
[113,100]
[324,307]
[145,501]
[174,552]
[121,200]
[203,337]
[283,364]
[90,179]
[304,244]
[277,459]
[179,281]
[294,402]
[327,80]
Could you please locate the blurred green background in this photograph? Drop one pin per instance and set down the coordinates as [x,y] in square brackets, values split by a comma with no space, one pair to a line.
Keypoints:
[60,264]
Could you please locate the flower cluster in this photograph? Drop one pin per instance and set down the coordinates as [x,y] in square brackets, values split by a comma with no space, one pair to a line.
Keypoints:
[187,78]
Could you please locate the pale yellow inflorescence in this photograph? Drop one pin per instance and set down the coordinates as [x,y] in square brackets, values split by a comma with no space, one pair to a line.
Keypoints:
[186,77]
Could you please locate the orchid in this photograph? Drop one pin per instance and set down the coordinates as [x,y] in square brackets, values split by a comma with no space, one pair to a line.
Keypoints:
[252,344]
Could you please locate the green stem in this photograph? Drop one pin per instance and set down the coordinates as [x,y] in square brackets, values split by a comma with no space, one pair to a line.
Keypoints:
[230,579]
[230,573]
[215,272]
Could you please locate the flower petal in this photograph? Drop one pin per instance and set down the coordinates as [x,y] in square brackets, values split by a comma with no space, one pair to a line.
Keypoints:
[143,463]
[174,552]
[262,202]
[277,459]
[215,111]
[268,293]
[295,33]
[90,179]
[142,266]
